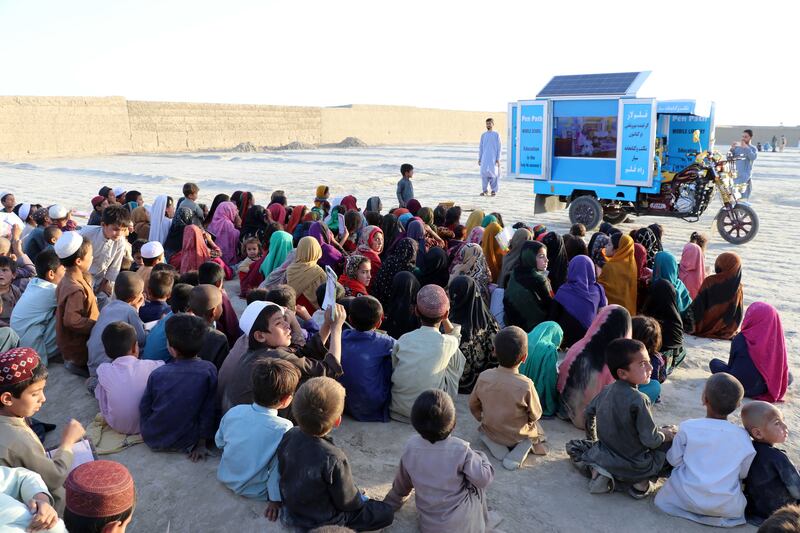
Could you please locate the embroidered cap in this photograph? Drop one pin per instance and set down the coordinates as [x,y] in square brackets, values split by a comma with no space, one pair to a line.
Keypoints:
[16,365]
[100,489]
[432,301]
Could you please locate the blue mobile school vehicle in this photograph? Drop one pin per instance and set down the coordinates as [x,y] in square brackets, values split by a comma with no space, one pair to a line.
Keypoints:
[590,144]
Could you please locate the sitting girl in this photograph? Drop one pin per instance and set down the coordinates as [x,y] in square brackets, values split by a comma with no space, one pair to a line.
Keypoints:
[197,249]
[758,355]
[357,275]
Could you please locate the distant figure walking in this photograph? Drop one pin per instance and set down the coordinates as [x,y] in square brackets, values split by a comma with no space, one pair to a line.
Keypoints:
[489,158]
[774,143]
[783,142]
[744,166]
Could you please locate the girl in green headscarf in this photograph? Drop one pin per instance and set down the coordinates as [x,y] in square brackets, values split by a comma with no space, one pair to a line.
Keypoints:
[541,365]
[488,219]
[665,267]
[280,245]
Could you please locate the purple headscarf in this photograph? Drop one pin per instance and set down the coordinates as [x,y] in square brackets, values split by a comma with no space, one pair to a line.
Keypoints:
[476,235]
[416,232]
[330,255]
[581,295]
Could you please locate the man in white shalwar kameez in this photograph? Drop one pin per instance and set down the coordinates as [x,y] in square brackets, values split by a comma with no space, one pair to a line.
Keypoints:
[489,158]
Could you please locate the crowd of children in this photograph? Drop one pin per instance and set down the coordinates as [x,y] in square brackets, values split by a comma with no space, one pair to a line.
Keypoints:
[425,307]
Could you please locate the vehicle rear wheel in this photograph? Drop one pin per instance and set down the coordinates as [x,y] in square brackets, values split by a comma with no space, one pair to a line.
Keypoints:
[737,225]
[614,216]
[587,211]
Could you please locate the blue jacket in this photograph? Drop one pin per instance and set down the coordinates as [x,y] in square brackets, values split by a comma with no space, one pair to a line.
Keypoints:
[367,378]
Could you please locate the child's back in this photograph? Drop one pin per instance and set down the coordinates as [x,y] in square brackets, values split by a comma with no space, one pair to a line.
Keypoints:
[177,408]
[424,359]
[367,363]
[34,318]
[113,311]
[710,457]
[508,405]
[444,476]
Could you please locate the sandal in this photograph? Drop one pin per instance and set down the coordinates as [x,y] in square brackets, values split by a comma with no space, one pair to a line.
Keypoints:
[638,494]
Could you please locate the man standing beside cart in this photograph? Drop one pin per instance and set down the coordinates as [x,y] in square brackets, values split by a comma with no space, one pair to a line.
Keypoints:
[745,153]
[489,158]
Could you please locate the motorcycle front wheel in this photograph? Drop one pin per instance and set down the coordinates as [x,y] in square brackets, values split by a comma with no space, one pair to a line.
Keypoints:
[738,224]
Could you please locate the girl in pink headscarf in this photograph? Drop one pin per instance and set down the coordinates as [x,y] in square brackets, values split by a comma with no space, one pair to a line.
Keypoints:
[223,227]
[692,270]
[758,355]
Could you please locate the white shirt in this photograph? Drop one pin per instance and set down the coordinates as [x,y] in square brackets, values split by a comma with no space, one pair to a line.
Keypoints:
[711,458]
[489,153]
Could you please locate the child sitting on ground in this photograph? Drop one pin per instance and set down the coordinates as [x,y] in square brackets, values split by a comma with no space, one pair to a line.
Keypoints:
[252,248]
[76,305]
[506,403]
[274,332]
[449,478]
[25,502]
[109,247]
[205,301]
[21,396]
[155,349]
[152,255]
[285,296]
[772,481]
[711,457]
[249,435]
[159,288]
[9,294]
[647,330]
[315,480]
[424,358]
[367,363]
[121,382]
[34,316]
[129,297]
[228,323]
[177,408]
[100,498]
[625,444]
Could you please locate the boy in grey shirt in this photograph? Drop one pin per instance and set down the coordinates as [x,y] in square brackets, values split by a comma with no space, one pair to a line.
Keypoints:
[405,189]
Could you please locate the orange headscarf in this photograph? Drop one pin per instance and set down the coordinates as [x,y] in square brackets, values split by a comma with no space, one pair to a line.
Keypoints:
[620,276]
[491,250]
[297,213]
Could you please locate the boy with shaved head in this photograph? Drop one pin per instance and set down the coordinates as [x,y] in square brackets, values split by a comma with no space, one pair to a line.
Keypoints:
[772,481]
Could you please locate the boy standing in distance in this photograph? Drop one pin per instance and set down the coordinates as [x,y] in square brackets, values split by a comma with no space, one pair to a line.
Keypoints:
[108,248]
[189,201]
[489,158]
[744,167]
[405,189]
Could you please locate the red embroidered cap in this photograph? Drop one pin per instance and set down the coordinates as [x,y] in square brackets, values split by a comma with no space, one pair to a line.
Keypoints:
[17,365]
[100,489]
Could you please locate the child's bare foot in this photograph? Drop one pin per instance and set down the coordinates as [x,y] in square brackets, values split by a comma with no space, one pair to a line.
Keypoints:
[540,449]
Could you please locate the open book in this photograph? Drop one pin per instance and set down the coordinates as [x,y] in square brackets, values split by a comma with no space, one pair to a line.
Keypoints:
[82,451]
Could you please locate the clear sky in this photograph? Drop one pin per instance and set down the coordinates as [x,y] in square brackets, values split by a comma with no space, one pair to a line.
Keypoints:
[456,55]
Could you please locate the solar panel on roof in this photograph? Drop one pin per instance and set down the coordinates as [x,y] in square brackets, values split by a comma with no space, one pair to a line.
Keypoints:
[618,83]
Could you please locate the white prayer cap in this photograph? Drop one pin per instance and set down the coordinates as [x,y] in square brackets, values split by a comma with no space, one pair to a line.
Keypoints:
[118,191]
[152,249]
[56,212]
[4,194]
[251,313]
[24,211]
[68,244]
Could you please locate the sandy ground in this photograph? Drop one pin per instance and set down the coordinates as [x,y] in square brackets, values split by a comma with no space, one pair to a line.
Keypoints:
[547,494]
